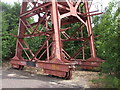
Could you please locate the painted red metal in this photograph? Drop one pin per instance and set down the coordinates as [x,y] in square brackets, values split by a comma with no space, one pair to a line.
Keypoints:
[57,14]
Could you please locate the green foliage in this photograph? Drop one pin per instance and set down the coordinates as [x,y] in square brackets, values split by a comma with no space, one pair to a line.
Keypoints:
[107,82]
[112,82]
[108,45]
[10,15]
[10,22]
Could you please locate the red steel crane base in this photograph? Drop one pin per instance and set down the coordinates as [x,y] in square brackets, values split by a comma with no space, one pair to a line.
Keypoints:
[54,20]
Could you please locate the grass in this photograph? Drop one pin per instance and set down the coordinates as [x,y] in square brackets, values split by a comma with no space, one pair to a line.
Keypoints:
[107,81]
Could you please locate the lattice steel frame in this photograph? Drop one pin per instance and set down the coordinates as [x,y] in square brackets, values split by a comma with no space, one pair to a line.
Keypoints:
[52,16]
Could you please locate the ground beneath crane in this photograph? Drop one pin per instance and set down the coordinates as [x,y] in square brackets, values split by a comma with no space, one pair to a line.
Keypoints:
[35,78]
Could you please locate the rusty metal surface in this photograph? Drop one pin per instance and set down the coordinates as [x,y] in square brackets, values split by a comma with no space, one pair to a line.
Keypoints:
[59,14]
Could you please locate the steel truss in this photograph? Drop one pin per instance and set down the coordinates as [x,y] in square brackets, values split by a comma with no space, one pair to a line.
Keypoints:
[54,20]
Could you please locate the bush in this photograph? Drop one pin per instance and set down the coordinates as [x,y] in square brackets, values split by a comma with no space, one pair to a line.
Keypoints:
[10,15]
[108,45]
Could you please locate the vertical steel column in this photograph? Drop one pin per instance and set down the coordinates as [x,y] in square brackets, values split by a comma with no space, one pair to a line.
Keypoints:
[21,31]
[90,33]
[47,41]
[83,49]
[55,21]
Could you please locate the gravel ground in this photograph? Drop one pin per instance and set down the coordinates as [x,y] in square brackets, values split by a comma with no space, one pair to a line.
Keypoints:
[35,78]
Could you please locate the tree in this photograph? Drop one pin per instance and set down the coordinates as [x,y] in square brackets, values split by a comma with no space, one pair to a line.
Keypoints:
[108,45]
[10,23]
[10,20]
